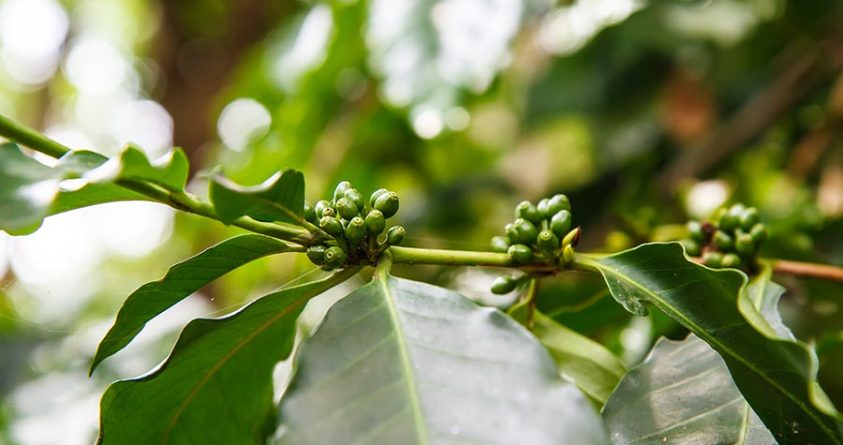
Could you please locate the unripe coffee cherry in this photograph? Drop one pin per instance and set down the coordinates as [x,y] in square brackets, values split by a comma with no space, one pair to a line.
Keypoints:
[309,214]
[346,208]
[560,223]
[547,241]
[568,254]
[713,259]
[355,231]
[511,233]
[692,248]
[504,285]
[526,231]
[375,222]
[520,253]
[744,245]
[395,235]
[695,231]
[731,260]
[340,190]
[374,196]
[558,203]
[355,197]
[749,218]
[728,221]
[542,208]
[387,203]
[758,233]
[316,254]
[320,207]
[723,241]
[500,244]
[528,211]
[329,211]
[334,256]
[331,225]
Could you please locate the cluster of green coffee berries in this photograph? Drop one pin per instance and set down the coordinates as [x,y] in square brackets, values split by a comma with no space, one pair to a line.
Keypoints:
[357,226]
[541,233]
[731,240]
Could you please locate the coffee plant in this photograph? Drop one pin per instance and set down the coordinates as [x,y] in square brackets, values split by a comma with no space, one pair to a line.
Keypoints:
[399,361]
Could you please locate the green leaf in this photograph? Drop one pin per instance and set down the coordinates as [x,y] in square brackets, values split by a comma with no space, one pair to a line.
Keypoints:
[777,376]
[27,188]
[402,362]
[682,394]
[170,173]
[280,198]
[181,280]
[592,367]
[216,385]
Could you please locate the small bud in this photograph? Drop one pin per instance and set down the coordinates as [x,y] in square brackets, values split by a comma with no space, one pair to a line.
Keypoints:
[692,248]
[310,214]
[525,230]
[528,211]
[558,203]
[355,231]
[504,285]
[749,218]
[723,241]
[547,241]
[745,245]
[395,235]
[731,260]
[374,196]
[568,254]
[320,207]
[713,259]
[331,225]
[520,253]
[387,203]
[560,223]
[316,254]
[375,223]
[340,190]
[500,244]
[346,208]
[355,197]
[758,233]
[334,257]
[572,238]
[695,231]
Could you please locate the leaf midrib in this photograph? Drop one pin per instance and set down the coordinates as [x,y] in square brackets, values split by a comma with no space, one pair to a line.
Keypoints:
[713,341]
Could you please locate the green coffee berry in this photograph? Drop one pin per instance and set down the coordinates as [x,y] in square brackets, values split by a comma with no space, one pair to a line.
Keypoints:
[692,248]
[758,233]
[520,253]
[572,238]
[542,208]
[500,244]
[355,231]
[528,211]
[568,254]
[511,233]
[745,245]
[504,285]
[374,196]
[331,225]
[558,203]
[309,214]
[329,211]
[334,256]
[728,222]
[731,260]
[749,218]
[320,207]
[340,190]
[695,231]
[547,241]
[355,197]
[723,241]
[387,203]
[560,223]
[395,235]
[316,254]
[346,208]
[526,231]
[713,259]
[375,222]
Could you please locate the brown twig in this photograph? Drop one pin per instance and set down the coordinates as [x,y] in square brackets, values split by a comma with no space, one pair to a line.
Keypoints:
[812,270]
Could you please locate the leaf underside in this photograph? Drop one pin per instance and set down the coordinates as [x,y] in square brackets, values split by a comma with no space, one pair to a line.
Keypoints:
[216,385]
[402,362]
[776,376]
